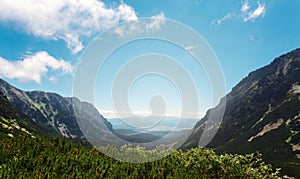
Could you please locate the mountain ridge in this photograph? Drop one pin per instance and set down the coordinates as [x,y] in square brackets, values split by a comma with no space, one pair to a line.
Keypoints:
[261,114]
[68,117]
[51,111]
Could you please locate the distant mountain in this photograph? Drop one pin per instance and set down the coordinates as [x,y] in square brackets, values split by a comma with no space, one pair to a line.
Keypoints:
[262,114]
[154,124]
[155,128]
[53,113]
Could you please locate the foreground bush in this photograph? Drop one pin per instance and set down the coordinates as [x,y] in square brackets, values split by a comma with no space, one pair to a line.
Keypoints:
[57,158]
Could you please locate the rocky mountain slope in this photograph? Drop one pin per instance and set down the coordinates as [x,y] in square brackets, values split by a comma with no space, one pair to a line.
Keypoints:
[262,114]
[52,112]
[69,117]
[14,123]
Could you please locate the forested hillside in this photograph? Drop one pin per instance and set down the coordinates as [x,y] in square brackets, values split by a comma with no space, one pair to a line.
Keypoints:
[27,157]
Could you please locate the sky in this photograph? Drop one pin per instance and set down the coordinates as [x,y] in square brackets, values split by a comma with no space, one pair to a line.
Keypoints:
[41,43]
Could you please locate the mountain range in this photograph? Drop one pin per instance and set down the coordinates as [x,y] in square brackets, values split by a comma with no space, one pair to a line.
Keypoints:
[52,112]
[262,113]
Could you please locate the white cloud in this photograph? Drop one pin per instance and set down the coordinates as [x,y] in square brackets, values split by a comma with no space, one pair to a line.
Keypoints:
[156,22]
[219,21]
[245,7]
[192,48]
[258,12]
[110,114]
[246,13]
[189,48]
[33,67]
[68,20]
[139,27]
[114,114]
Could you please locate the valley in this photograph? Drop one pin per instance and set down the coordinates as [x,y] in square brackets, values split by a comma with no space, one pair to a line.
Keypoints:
[262,115]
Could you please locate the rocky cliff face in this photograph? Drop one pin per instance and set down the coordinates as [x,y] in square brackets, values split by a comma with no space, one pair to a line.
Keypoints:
[262,114]
[52,111]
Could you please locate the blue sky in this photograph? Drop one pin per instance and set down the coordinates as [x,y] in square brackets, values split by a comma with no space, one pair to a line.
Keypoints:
[41,41]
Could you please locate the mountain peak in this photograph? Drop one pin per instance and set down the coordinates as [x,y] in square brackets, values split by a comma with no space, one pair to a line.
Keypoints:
[276,79]
[262,114]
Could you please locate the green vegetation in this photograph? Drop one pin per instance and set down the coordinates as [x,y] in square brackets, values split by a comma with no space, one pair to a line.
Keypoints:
[24,153]
[26,157]
[277,146]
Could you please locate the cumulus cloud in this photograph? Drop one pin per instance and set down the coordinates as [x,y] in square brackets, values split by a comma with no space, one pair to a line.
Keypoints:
[156,22]
[68,20]
[33,67]
[139,27]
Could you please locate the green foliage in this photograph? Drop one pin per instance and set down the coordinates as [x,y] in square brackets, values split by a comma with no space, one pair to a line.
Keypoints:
[26,157]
